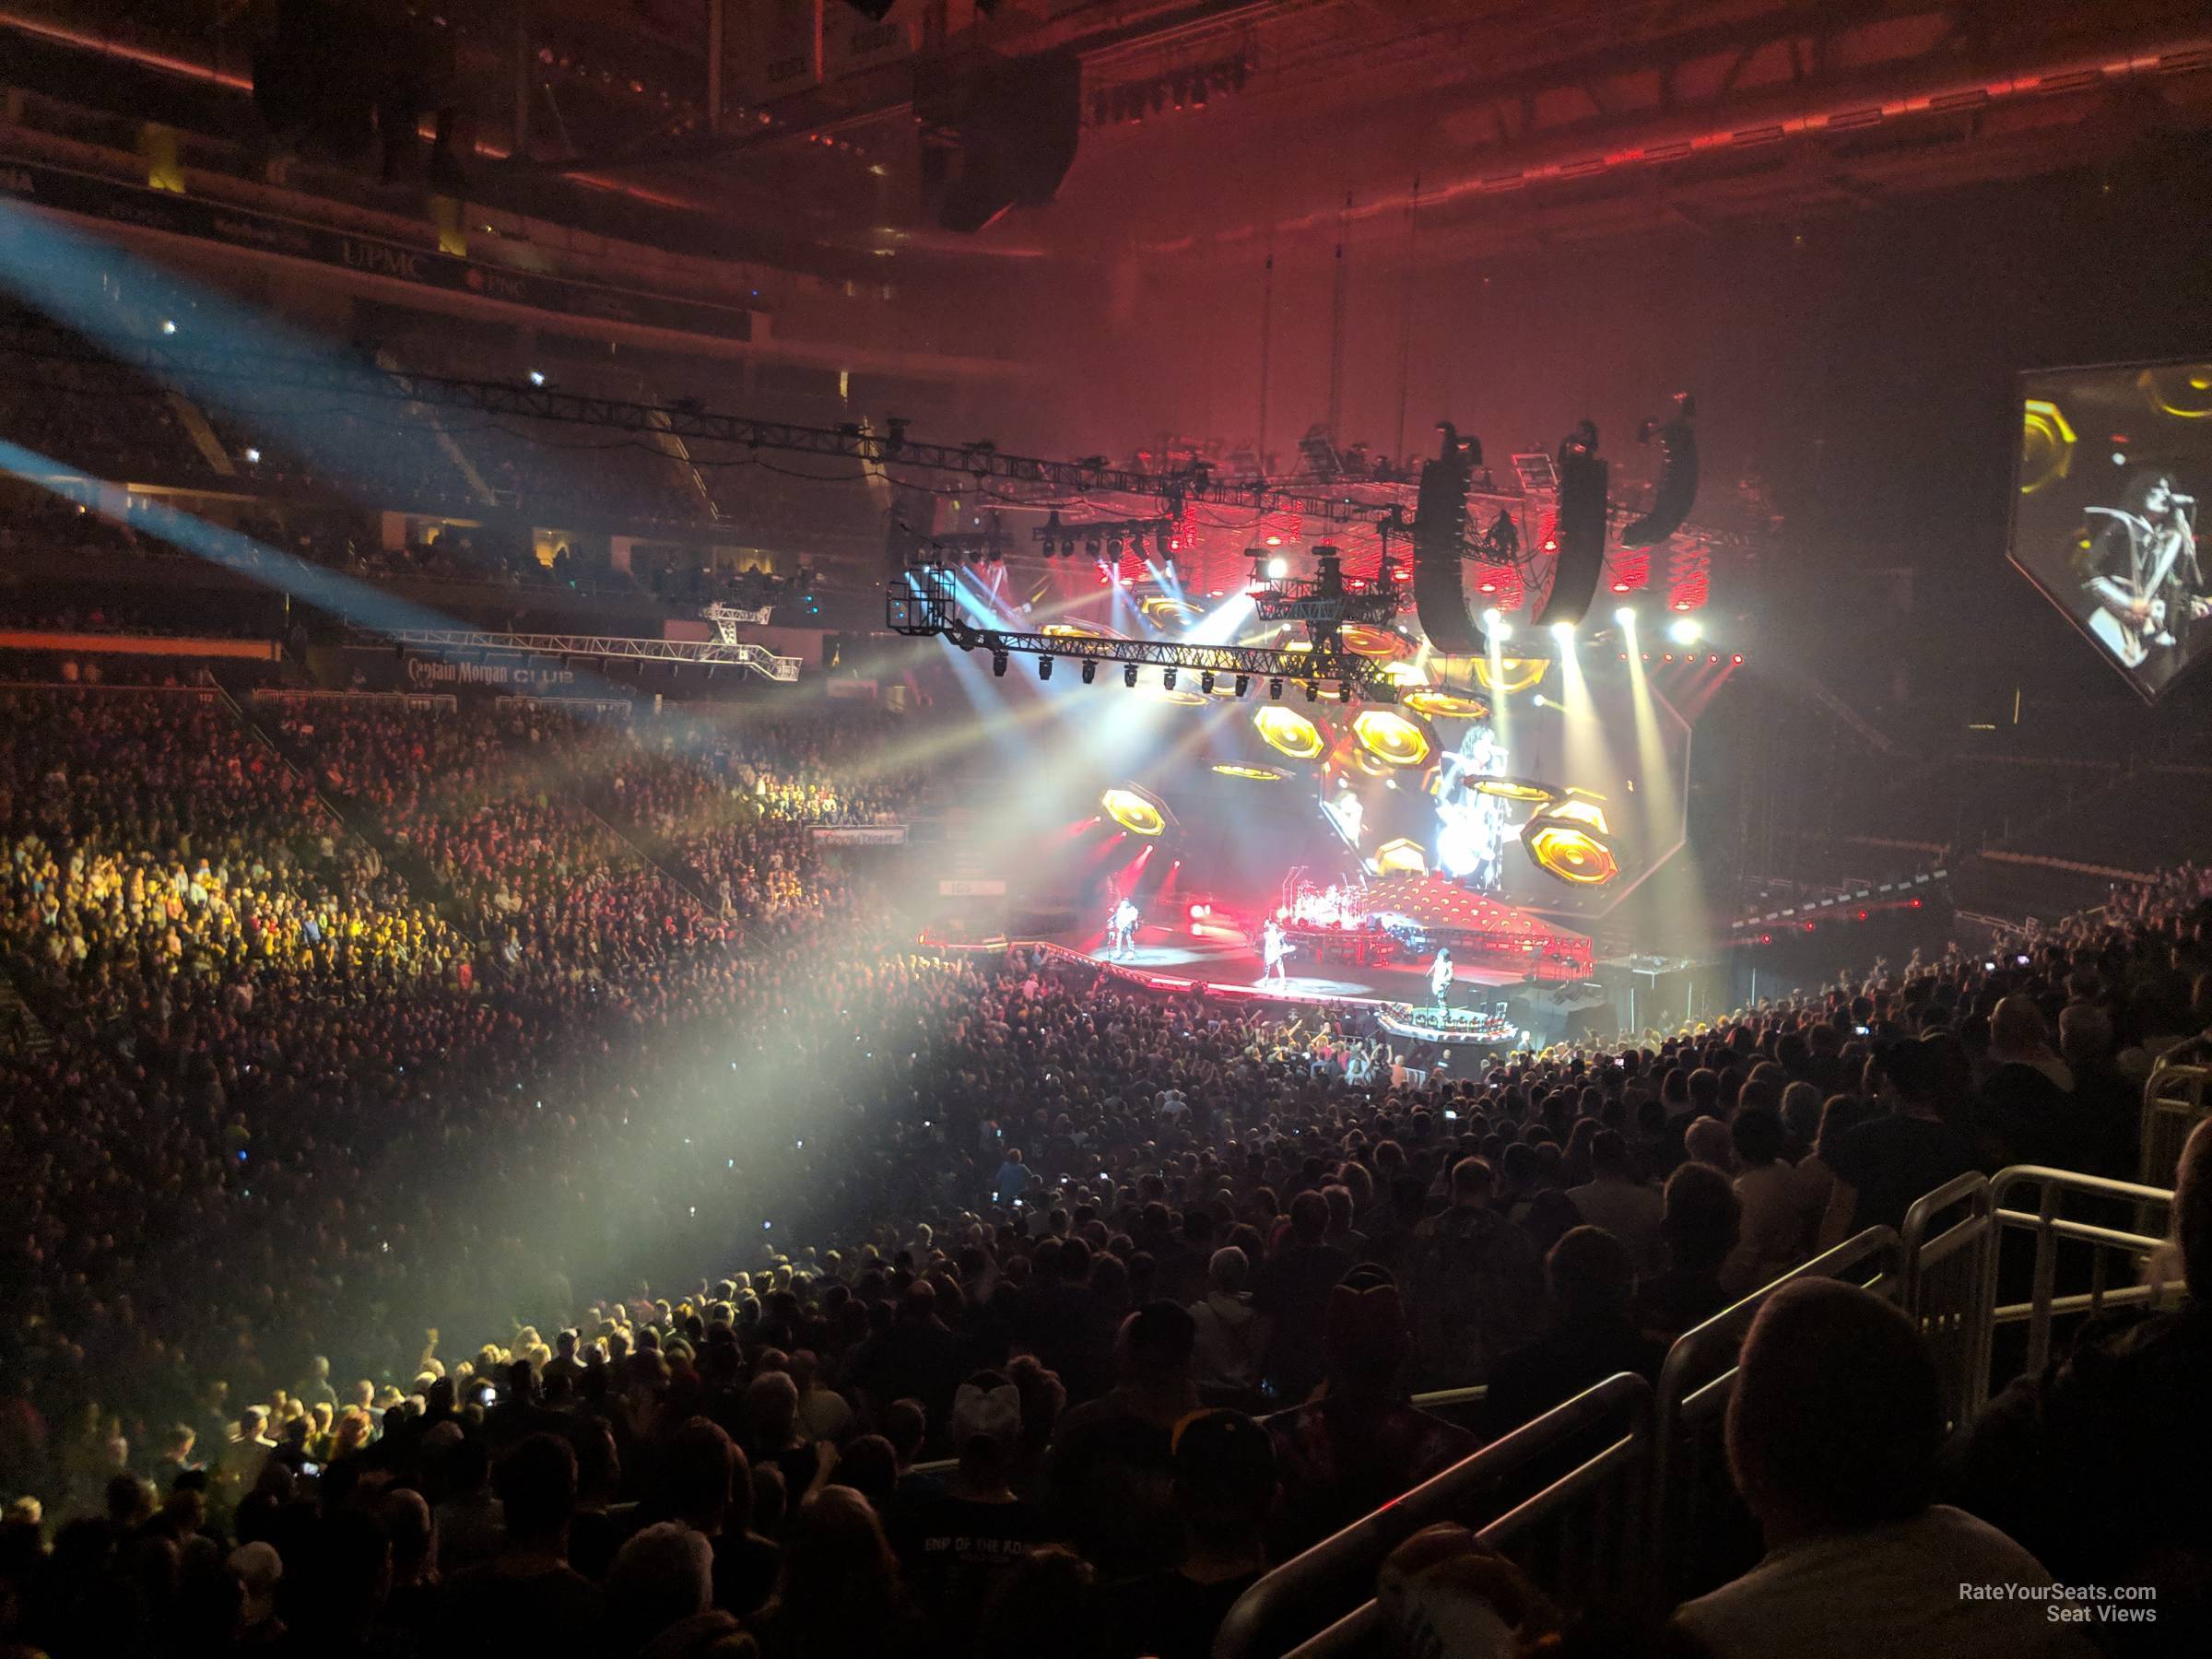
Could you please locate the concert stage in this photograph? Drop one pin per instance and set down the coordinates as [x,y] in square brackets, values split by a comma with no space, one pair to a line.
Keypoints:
[1489,1002]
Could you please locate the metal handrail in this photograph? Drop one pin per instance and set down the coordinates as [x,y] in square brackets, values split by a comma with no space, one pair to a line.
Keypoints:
[2049,1228]
[1699,1374]
[1354,1553]
[2170,1092]
[1955,1335]
[1435,1399]
[1359,1630]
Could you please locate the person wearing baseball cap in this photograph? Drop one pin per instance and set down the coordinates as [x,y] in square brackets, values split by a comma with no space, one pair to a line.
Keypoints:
[957,1545]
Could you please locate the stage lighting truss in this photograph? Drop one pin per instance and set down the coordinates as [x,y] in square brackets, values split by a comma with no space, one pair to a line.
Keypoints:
[1286,731]
[1138,810]
[922,602]
[1343,614]
[1570,848]
[1118,535]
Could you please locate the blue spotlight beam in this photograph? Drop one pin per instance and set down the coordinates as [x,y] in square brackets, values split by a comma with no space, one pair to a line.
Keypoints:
[368,608]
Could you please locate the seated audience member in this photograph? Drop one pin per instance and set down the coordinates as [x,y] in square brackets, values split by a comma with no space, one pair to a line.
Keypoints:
[955,1548]
[1833,1435]
[1230,1334]
[707,1485]
[2107,1105]
[2025,1112]
[1700,1224]
[1592,1335]
[1708,1142]
[1889,1161]
[1293,1291]
[870,1467]
[1225,1488]
[839,1592]
[527,1594]
[1443,1595]
[1361,1440]
[664,1575]
[1477,1288]
[1110,1478]
[1614,1199]
[1777,1224]
[1051,1590]
[1839,1114]
[2101,1464]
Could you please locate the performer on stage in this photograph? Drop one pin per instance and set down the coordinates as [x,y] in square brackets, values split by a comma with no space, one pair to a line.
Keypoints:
[1121,929]
[2142,571]
[1440,979]
[1274,949]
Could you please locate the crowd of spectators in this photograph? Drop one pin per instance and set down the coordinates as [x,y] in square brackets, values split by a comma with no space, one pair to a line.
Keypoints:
[739,1210]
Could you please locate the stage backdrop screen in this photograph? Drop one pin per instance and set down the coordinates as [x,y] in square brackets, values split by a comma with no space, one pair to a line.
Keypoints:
[2114,462]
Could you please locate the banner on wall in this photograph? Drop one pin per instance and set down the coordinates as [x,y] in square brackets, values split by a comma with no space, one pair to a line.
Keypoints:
[861,835]
[380,668]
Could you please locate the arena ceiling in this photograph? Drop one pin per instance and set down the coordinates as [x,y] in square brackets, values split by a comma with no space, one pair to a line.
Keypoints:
[1464,128]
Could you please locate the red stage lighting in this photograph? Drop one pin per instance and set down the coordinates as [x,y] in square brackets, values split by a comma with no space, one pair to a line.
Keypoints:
[1737,662]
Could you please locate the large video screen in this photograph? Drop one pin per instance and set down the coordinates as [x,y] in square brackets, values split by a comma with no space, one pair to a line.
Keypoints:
[2113,464]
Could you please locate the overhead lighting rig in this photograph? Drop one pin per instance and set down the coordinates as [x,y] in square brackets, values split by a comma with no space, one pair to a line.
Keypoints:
[1325,601]
[1105,537]
[921,602]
